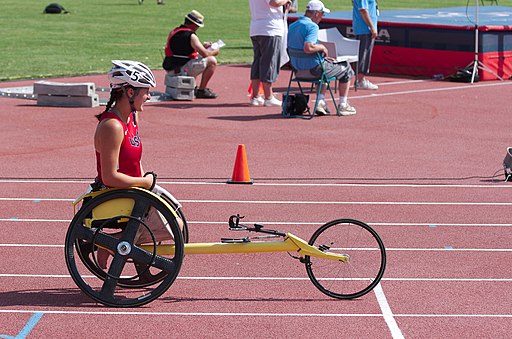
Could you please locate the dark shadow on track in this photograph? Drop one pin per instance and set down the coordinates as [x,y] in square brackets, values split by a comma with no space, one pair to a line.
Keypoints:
[249,117]
[494,180]
[62,297]
[72,297]
[262,299]
[197,104]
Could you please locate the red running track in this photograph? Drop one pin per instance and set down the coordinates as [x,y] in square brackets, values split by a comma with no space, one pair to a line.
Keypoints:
[417,162]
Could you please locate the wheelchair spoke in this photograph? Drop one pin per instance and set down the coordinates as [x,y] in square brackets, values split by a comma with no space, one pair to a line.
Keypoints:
[139,210]
[106,241]
[115,270]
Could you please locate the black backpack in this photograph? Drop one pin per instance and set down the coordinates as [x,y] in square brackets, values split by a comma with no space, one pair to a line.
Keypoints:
[296,104]
[464,75]
[55,8]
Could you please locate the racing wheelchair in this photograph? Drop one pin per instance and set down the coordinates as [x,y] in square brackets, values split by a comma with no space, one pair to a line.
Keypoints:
[145,236]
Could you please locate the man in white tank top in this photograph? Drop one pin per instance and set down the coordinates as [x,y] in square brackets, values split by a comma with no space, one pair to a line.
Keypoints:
[266,31]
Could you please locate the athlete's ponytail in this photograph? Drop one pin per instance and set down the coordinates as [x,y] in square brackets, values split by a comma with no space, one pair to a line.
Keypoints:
[115,94]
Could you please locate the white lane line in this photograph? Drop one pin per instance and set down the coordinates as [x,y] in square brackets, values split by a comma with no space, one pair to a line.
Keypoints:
[396,333]
[318,223]
[45,181]
[220,314]
[427,90]
[201,314]
[478,280]
[451,249]
[401,82]
[455,315]
[381,185]
[468,280]
[36,199]
[34,220]
[282,223]
[207,182]
[287,202]
[394,203]
[437,224]
[32,245]
[389,249]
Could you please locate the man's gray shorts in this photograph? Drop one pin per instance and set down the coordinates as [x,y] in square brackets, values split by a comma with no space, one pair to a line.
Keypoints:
[194,67]
[267,56]
[339,70]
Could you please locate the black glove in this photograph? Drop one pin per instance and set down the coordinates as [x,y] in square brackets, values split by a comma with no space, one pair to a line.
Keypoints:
[154,179]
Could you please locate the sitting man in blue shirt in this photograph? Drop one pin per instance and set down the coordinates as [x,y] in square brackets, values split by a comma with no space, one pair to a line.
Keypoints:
[303,35]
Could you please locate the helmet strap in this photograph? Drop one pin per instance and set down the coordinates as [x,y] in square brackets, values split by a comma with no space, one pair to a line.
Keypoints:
[131,98]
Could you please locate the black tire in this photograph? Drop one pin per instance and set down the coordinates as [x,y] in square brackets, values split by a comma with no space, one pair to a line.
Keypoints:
[145,277]
[358,276]
[134,277]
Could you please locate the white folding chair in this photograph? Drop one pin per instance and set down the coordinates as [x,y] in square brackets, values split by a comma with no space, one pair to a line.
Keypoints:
[346,49]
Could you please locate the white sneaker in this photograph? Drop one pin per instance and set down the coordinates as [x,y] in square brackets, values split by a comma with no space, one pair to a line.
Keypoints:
[272,102]
[257,101]
[321,108]
[346,110]
[366,84]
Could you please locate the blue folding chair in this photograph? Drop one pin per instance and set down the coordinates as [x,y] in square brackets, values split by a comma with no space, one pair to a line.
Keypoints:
[304,76]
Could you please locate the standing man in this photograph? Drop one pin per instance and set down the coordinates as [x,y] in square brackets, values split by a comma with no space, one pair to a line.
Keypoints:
[267,29]
[364,23]
[184,53]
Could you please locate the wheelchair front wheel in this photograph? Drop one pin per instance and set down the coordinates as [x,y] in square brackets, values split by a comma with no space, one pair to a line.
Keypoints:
[366,264]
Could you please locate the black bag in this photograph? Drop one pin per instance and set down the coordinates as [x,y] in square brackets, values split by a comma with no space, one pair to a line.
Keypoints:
[464,75]
[296,104]
[507,164]
[55,8]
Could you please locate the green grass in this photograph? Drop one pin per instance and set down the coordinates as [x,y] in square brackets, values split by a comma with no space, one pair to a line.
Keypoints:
[36,45]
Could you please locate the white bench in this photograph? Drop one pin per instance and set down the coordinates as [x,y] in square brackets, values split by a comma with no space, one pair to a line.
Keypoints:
[65,94]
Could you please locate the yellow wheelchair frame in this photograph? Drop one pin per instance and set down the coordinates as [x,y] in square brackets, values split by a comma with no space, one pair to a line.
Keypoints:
[110,222]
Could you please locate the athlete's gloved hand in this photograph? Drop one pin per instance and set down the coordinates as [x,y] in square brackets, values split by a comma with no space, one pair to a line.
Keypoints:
[154,179]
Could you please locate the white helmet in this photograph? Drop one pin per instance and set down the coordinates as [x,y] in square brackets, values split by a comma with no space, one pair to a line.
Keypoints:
[132,73]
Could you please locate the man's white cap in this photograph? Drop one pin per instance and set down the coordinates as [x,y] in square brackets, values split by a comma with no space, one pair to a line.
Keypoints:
[315,5]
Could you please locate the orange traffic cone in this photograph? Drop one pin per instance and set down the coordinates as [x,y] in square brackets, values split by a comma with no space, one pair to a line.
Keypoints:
[260,91]
[241,170]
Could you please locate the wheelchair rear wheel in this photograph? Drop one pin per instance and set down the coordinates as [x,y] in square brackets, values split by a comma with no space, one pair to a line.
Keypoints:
[131,276]
[88,254]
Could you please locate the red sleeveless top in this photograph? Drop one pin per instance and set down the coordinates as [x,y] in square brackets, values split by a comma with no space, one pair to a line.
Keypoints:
[181,47]
[131,148]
